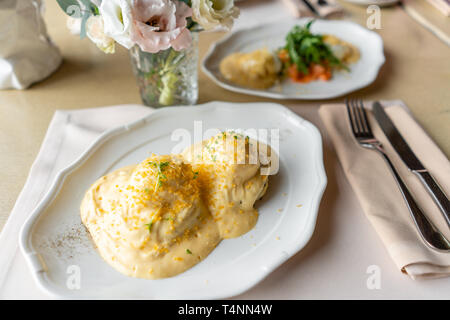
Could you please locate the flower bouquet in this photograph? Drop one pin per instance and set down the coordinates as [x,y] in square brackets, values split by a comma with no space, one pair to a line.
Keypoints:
[162,36]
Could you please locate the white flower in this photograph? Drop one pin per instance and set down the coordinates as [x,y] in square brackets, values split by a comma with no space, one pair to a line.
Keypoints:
[117,20]
[211,14]
[95,32]
[74,25]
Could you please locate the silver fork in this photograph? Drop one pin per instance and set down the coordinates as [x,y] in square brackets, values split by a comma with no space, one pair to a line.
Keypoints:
[364,136]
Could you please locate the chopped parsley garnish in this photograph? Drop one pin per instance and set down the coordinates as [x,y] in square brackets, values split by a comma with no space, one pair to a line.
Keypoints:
[149,226]
[188,251]
[195,174]
[161,176]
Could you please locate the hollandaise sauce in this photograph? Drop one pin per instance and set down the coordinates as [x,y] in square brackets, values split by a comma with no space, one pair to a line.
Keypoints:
[258,69]
[161,217]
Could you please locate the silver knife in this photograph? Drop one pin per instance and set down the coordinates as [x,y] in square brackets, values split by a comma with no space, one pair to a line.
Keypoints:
[411,161]
[311,7]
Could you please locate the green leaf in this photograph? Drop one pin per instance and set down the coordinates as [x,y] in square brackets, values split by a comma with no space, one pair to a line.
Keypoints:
[73,9]
[308,25]
[84,19]
[70,7]
[92,8]
[305,48]
[188,251]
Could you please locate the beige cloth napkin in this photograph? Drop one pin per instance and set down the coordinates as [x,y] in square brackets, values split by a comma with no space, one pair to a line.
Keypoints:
[69,135]
[426,15]
[379,195]
[442,5]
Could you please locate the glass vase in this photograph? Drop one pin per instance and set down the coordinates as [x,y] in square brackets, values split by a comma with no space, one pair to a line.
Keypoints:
[168,77]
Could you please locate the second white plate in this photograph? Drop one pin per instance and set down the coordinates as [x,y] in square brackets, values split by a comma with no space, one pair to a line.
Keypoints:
[272,36]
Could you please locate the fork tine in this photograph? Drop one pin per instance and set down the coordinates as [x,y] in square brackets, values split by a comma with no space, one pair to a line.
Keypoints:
[357,116]
[364,117]
[357,112]
[350,117]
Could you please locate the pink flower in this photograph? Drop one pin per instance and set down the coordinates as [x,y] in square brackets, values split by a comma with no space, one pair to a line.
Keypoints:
[160,24]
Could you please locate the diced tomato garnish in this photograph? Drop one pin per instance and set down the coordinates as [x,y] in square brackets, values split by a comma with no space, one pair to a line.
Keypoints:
[317,69]
[283,55]
[316,72]
[293,72]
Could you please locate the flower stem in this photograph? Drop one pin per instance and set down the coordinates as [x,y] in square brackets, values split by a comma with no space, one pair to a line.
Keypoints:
[168,80]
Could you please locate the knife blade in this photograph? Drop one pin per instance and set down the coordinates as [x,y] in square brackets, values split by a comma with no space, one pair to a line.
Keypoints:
[311,7]
[411,161]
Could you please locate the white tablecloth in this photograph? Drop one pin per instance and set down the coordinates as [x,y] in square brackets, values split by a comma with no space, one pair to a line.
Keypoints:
[337,263]
[334,264]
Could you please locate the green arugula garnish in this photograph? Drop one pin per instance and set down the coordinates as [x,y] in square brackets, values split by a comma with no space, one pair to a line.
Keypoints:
[305,48]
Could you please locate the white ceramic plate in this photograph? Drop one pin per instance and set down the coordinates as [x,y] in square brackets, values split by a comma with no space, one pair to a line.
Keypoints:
[57,246]
[272,36]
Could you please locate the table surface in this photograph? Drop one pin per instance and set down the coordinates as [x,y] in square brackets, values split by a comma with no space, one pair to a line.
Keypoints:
[417,71]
